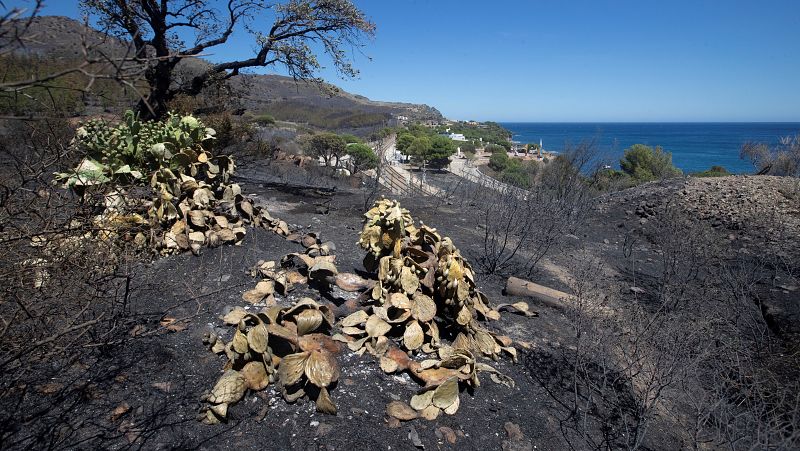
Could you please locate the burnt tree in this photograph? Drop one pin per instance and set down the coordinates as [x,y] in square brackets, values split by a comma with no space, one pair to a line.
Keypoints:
[299,30]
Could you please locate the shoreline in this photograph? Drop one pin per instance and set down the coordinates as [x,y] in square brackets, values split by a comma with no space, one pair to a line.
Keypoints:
[695,147]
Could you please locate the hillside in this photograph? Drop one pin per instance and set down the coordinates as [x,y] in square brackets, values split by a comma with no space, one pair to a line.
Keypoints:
[287,99]
[680,301]
[60,38]
[753,220]
[157,378]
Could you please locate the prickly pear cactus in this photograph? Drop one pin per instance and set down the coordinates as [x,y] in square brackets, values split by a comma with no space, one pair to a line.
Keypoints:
[192,203]
[422,276]
[145,146]
[284,345]
[424,284]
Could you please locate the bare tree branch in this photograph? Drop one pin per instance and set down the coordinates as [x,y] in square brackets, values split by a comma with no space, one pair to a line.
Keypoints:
[330,25]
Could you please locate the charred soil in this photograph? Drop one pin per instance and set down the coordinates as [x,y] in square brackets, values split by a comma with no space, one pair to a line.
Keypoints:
[144,392]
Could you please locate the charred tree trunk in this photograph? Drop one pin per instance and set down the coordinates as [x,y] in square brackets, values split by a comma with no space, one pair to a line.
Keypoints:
[155,106]
[545,295]
[159,76]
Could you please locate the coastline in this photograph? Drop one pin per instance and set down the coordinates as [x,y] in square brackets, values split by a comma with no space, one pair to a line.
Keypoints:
[695,146]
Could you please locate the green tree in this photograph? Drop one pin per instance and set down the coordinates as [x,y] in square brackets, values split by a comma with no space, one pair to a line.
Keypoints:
[351,139]
[404,141]
[419,150]
[517,176]
[499,160]
[328,146]
[442,147]
[363,157]
[644,163]
[285,34]
[433,152]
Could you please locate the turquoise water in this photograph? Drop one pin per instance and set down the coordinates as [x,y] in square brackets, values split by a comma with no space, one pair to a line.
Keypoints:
[694,146]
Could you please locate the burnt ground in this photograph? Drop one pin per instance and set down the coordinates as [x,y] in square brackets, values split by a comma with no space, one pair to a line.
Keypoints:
[160,375]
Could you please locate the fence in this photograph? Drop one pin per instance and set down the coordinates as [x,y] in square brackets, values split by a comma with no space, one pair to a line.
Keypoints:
[397,180]
[476,176]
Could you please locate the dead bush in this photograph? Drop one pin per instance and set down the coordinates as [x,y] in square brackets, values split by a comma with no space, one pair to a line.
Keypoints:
[782,160]
[520,227]
[63,297]
[615,371]
[694,349]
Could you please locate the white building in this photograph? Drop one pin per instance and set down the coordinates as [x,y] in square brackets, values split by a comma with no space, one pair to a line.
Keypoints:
[457,136]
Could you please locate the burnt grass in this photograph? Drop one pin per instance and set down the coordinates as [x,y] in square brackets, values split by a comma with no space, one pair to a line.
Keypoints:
[160,375]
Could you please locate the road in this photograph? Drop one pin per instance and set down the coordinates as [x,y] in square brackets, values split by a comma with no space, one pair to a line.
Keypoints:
[466,170]
[400,180]
[397,177]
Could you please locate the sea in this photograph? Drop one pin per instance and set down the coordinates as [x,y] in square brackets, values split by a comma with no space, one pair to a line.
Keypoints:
[694,146]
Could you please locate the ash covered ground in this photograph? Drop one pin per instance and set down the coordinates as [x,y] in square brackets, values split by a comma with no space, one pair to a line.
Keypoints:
[145,394]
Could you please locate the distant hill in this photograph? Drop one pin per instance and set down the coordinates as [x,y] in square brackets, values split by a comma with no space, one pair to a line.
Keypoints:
[60,38]
[287,99]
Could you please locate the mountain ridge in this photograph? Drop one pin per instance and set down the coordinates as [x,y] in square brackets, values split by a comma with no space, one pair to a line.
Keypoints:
[62,38]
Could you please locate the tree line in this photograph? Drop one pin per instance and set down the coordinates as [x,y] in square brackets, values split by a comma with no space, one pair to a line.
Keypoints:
[425,147]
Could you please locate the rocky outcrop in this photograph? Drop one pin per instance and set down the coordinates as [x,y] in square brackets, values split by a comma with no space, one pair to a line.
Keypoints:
[753,219]
[762,210]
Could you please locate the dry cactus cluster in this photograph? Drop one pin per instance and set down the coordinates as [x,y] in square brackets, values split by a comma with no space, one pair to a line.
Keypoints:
[290,346]
[196,207]
[287,345]
[424,285]
[316,265]
[190,204]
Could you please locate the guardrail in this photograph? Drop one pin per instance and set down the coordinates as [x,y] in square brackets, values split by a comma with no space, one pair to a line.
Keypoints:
[478,177]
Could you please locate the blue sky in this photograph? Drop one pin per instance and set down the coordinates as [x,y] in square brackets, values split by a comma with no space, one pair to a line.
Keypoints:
[577,60]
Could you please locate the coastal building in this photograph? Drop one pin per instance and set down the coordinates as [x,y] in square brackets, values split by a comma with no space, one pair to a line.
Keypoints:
[457,136]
